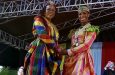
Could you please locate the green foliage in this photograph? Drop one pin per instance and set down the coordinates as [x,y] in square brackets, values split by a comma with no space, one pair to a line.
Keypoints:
[7,71]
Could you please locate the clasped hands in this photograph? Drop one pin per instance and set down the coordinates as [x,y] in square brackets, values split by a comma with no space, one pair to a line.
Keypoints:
[62,51]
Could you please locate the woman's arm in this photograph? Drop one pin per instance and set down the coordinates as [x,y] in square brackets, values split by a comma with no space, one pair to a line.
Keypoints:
[89,39]
[43,33]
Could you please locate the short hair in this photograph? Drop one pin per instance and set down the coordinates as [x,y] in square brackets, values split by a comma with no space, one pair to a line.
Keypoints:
[44,8]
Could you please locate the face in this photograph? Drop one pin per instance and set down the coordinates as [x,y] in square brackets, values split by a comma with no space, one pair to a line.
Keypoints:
[50,11]
[83,17]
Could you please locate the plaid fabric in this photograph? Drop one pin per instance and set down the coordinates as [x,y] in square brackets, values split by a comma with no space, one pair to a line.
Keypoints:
[40,59]
[80,62]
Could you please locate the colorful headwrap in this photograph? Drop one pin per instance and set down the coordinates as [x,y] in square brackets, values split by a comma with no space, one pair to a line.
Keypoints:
[83,8]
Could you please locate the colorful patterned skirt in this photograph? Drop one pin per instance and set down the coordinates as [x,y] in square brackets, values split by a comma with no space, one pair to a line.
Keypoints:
[41,60]
[79,64]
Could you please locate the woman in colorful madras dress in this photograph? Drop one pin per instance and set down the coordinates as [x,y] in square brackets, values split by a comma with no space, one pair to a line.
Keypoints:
[41,57]
[79,60]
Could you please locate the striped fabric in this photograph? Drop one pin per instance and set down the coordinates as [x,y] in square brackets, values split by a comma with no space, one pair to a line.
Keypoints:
[41,57]
[80,61]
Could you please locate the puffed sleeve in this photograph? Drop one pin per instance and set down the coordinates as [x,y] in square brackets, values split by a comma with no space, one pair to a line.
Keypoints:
[40,30]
